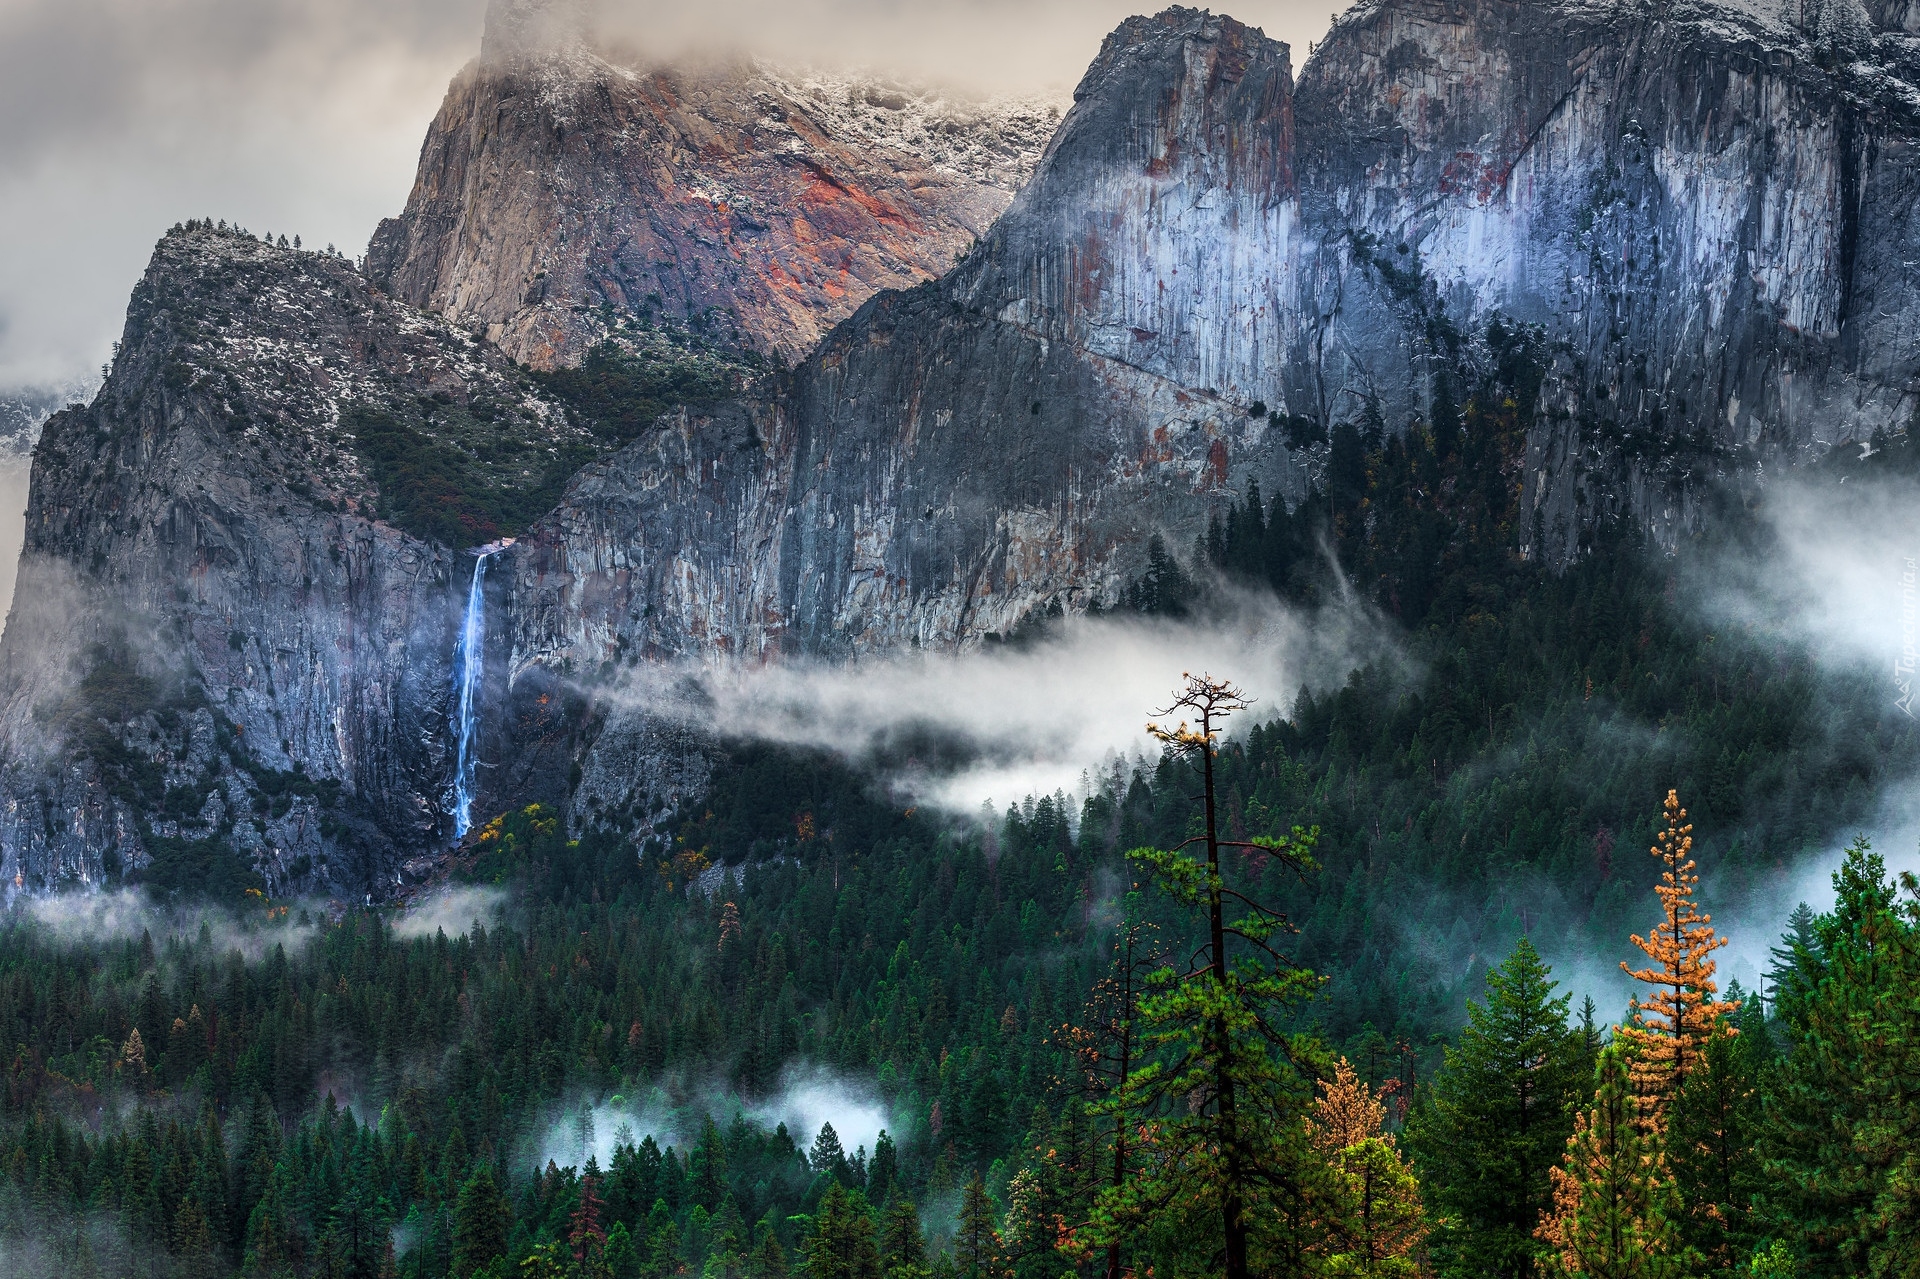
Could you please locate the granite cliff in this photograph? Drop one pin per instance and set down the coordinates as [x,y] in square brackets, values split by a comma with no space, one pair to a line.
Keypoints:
[223,655]
[1702,215]
[1707,208]
[562,188]
[1704,211]
[243,567]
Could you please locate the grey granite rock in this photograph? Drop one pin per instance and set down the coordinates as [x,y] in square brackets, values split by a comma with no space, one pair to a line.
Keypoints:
[217,653]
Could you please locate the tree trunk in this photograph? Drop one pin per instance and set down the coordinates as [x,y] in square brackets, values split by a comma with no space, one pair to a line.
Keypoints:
[1232,1210]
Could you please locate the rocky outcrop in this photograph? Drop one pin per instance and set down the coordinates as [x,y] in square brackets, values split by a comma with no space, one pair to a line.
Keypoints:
[1708,209]
[1706,215]
[560,191]
[960,454]
[219,661]
[1704,211]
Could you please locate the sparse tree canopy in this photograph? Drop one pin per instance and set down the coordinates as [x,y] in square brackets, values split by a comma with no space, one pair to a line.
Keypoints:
[1222,1093]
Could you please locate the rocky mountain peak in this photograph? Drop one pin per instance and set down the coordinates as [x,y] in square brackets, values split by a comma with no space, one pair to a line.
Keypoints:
[561,193]
[524,29]
[227,654]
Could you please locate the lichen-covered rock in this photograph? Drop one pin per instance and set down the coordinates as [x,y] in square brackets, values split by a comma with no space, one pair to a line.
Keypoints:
[219,662]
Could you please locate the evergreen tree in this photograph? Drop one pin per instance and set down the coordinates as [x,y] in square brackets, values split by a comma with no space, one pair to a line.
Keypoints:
[1496,1121]
[1793,968]
[1374,1220]
[663,1242]
[839,1243]
[1613,1200]
[1106,1046]
[827,1157]
[903,1250]
[1712,1124]
[976,1242]
[769,1259]
[482,1222]
[623,1256]
[586,1235]
[883,1171]
[1223,1084]
[707,1167]
[1839,1164]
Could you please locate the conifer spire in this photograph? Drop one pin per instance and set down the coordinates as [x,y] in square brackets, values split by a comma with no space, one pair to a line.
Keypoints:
[1667,1034]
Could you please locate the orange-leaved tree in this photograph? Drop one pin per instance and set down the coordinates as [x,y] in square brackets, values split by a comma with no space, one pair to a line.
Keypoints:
[1374,1223]
[1667,1034]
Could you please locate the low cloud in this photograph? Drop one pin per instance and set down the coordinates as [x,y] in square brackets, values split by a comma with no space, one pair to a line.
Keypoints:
[92,919]
[990,45]
[1833,576]
[1011,721]
[809,1096]
[452,910]
[1836,570]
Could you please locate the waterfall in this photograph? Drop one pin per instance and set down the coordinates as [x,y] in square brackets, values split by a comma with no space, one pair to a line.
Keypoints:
[469,666]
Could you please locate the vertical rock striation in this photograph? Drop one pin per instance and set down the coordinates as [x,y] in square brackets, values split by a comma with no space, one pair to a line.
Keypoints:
[1708,208]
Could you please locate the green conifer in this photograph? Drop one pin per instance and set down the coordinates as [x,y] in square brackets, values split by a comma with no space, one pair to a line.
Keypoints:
[1497,1121]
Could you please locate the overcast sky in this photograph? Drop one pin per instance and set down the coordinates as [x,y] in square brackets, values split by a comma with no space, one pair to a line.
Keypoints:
[305,116]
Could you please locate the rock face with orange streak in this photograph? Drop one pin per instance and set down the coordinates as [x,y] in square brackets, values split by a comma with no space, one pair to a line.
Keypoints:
[959,455]
[1010,436]
[755,205]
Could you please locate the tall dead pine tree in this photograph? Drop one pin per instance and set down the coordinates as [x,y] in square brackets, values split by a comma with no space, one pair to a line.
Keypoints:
[1668,1032]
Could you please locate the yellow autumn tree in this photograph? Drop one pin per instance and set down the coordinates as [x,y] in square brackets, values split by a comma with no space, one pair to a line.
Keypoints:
[1374,1222]
[1666,1036]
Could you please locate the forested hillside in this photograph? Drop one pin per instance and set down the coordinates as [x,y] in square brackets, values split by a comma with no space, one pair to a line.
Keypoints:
[1034,1000]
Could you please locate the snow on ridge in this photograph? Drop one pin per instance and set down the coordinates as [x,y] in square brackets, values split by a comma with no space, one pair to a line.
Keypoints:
[993,141]
[286,363]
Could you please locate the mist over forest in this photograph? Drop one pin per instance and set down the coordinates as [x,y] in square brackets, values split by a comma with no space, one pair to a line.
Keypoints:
[959,642]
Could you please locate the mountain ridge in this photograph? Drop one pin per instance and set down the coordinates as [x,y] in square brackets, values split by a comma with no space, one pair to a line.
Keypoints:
[1216,277]
[730,195]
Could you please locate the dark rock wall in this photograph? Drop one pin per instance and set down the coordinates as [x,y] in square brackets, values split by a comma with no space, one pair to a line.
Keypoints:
[217,654]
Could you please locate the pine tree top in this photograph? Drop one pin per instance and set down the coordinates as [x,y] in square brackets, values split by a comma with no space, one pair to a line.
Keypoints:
[1669,1029]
